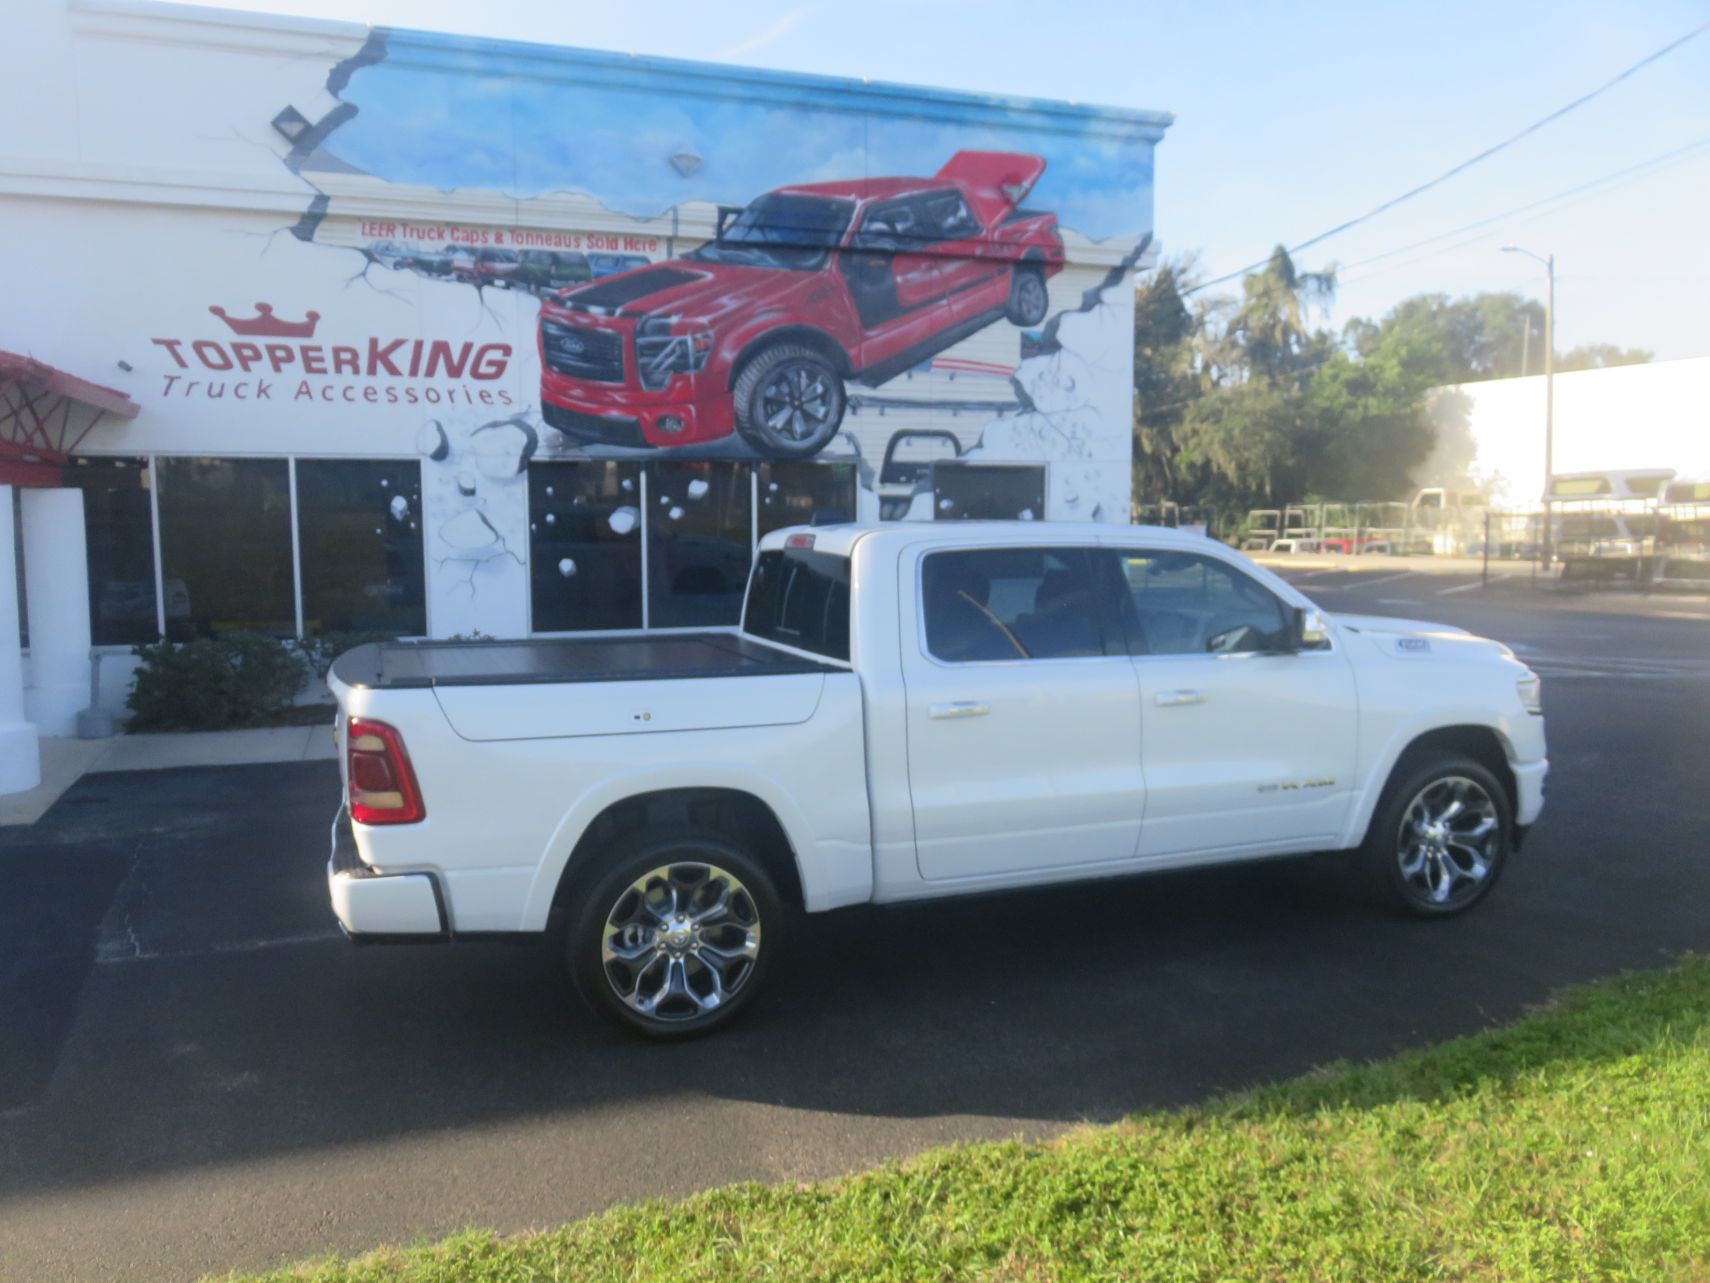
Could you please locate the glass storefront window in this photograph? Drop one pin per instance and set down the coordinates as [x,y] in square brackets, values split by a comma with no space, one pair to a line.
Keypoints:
[805,494]
[699,533]
[360,543]
[987,492]
[225,546]
[119,529]
[584,545]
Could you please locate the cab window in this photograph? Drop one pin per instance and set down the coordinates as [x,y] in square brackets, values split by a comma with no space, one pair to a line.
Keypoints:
[1011,603]
[1183,603]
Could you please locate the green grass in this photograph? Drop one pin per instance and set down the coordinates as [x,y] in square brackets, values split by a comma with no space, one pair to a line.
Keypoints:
[1574,1144]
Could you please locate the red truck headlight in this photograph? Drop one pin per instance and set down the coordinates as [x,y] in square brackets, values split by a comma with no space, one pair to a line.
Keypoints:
[660,353]
[383,788]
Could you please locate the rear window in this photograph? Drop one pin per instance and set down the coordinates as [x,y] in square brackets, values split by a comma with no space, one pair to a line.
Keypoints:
[798,597]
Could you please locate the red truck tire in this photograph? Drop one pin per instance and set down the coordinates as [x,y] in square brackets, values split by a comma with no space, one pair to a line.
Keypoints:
[789,401]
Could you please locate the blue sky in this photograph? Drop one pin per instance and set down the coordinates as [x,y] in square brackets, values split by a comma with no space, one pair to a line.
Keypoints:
[444,113]
[1290,118]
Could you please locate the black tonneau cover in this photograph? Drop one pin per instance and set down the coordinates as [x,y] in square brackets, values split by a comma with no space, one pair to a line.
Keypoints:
[658,657]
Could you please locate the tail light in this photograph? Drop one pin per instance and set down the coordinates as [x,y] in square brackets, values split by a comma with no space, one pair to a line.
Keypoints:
[383,788]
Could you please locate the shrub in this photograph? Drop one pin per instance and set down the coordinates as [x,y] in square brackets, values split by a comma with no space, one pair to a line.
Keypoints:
[213,683]
[323,648]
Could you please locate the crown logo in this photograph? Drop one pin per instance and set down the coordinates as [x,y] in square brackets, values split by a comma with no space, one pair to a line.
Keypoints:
[265,325]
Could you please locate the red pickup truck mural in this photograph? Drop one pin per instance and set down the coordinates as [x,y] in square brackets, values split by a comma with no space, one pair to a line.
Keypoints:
[808,286]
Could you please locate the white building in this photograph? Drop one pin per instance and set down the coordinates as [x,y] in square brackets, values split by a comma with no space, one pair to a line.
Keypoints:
[1491,435]
[323,262]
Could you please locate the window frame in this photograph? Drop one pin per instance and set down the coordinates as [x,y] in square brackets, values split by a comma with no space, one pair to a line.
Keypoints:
[1124,550]
[1110,631]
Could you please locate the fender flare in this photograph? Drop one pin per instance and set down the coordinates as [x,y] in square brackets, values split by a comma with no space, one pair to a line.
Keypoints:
[612,790]
[1401,739]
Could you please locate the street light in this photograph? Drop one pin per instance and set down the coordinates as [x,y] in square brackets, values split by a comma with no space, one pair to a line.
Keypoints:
[1549,263]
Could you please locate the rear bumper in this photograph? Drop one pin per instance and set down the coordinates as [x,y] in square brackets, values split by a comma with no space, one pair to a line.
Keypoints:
[373,906]
[1529,787]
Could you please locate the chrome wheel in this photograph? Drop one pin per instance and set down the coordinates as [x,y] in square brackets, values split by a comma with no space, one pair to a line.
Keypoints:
[1449,841]
[681,941]
[797,403]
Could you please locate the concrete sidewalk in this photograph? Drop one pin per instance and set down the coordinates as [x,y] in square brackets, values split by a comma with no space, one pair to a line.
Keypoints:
[64,761]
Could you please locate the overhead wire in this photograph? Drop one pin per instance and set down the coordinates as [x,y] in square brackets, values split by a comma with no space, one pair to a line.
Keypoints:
[1467,164]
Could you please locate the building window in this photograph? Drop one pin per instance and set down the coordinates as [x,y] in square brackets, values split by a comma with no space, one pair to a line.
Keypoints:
[359,539]
[119,529]
[700,543]
[584,545]
[805,494]
[987,492]
[225,546]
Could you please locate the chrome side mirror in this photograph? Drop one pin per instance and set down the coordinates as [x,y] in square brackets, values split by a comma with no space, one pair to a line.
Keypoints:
[1314,632]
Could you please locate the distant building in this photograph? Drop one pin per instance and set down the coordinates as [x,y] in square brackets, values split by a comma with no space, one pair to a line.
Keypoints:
[1490,435]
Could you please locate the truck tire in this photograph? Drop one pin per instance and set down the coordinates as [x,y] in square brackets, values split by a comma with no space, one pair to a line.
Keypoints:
[674,934]
[1028,299]
[789,402]
[1440,837]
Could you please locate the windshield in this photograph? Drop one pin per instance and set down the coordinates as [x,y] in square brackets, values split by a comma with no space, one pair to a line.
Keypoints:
[792,232]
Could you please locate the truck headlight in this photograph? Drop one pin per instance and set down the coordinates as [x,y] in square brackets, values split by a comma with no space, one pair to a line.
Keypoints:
[659,353]
[1531,690]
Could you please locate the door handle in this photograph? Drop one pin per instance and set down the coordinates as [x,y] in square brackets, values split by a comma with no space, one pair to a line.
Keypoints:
[1168,699]
[960,708]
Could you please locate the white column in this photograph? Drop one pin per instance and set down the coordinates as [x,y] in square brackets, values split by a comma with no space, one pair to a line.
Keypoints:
[56,589]
[20,752]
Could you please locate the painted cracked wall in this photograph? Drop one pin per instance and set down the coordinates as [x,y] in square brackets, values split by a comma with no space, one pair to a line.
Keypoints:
[451,195]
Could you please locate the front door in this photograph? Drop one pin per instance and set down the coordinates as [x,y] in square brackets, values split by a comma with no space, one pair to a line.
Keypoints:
[1245,748]
[1023,716]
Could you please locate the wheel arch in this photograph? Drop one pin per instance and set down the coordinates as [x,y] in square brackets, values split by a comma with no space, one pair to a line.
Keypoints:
[1484,744]
[734,810]
[805,335]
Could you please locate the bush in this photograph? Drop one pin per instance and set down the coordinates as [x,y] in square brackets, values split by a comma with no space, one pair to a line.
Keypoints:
[323,648]
[214,683]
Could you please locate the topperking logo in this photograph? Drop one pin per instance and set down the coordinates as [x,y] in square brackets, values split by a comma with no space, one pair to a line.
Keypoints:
[268,358]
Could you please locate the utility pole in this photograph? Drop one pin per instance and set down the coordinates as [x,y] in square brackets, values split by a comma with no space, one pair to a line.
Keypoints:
[1549,264]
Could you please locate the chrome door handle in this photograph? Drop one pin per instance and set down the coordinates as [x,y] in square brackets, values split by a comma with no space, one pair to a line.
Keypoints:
[960,708]
[1168,699]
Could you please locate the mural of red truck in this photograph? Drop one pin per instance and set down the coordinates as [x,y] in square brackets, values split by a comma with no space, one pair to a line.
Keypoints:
[808,286]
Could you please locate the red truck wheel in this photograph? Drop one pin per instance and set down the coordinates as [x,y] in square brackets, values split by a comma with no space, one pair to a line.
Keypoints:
[1028,300]
[789,402]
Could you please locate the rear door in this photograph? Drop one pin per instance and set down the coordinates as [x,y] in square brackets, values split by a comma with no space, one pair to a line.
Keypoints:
[1244,748]
[1023,715]
[892,275]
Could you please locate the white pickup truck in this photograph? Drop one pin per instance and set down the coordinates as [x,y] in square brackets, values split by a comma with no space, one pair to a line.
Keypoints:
[911,711]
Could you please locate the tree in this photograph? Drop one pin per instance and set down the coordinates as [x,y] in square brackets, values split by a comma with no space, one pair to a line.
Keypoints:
[1165,379]
[1600,356]
[1462,340]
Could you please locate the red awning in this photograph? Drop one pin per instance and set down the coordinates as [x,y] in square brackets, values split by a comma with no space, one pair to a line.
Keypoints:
[44,414]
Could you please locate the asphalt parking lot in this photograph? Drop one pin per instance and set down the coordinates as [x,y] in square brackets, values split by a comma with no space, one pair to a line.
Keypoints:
[197,1074]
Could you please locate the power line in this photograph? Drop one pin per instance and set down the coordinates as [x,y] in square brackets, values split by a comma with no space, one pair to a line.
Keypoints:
[1629,171]
[1467,164]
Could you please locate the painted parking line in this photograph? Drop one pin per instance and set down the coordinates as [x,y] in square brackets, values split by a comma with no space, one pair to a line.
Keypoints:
[1387,579]
[1477,583]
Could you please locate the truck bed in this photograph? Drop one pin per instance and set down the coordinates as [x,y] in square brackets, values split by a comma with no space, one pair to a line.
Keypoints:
[641,657]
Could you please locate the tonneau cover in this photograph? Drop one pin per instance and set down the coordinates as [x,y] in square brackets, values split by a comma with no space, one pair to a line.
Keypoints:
[643,657]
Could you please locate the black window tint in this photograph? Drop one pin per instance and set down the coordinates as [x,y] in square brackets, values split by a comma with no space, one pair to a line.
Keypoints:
[360,542]
[584,532]
[1011,603]
[1187,604]
[800,598]
[801,493]
[699,543]
[987,492]
[120,531]
[225,547]
[947,217]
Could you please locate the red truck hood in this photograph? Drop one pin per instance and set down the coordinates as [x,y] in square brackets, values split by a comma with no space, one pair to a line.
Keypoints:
[695,291]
